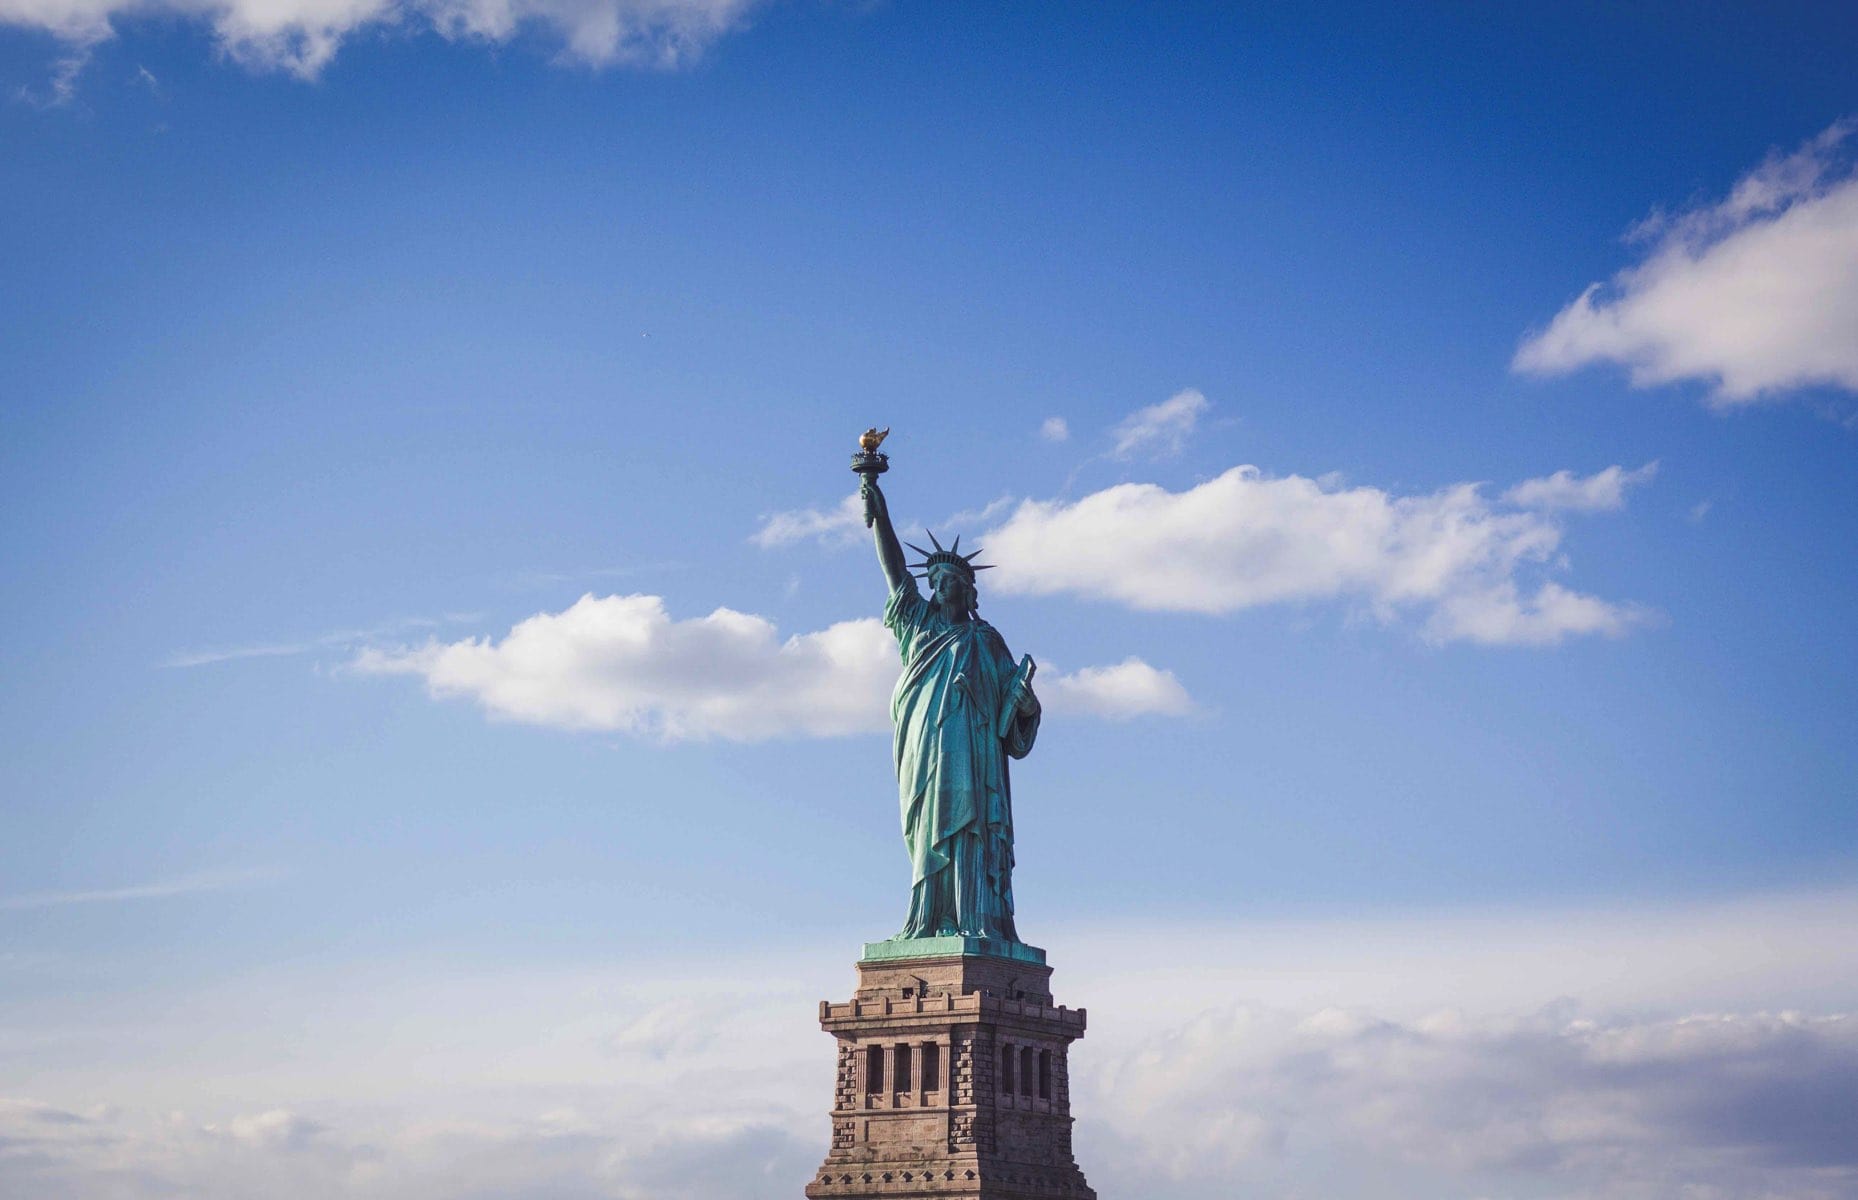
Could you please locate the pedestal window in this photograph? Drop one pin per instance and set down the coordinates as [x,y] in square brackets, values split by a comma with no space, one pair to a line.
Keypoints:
[903,1068]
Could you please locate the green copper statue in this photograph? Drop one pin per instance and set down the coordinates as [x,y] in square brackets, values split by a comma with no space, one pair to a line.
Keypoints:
[960,710]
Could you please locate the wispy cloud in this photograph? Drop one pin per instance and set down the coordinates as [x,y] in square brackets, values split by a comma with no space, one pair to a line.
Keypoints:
[1755,294]
[535,579]
[302,37]
[202,658]
[967,518]
[1603,491]
[336,640]
[185,885]
[840,525]
[844,525]
[61,88]
[1160,430]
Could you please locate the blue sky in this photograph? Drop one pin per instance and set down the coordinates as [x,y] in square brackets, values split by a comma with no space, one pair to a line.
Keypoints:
[361,361]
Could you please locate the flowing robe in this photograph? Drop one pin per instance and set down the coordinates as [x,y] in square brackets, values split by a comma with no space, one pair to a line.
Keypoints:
[957,805]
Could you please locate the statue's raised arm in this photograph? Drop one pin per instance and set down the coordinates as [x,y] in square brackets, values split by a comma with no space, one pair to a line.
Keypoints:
[889,549]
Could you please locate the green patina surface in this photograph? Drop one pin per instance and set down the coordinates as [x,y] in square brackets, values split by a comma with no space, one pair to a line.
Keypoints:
[946,947]
[962,708]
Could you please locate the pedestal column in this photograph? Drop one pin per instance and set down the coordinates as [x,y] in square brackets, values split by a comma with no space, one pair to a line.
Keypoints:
[953,1076]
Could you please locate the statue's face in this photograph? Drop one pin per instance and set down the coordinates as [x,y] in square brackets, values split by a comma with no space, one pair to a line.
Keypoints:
[953,594]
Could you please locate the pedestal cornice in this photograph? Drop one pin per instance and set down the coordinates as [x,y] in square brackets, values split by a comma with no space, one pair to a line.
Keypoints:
[953,946]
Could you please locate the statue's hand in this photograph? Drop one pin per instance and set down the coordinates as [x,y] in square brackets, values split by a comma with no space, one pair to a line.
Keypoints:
[873,500]
[1021,699]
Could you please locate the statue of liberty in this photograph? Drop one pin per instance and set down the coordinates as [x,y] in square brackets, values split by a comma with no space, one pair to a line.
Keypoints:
[959,711]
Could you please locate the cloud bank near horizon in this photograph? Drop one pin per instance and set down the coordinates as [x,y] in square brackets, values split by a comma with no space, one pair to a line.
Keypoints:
[1755,294]
[1729,1106]
[1721,1105]
[1612,1055]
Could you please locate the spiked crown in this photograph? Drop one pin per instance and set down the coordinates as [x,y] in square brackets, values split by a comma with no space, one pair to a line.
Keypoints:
[950,559]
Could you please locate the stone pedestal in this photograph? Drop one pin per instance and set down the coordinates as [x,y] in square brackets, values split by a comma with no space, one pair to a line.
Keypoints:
[953,1077]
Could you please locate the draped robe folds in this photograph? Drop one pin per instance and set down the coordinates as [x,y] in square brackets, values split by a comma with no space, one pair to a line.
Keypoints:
[952,771]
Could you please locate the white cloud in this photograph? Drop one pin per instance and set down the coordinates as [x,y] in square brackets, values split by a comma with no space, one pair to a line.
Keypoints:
[840,525]
[622,663]
[1500,615]
[302,36]
[1755,294]
[1160,429]
[1130,688]
[1055,429]
[1603,491]
[1243,540]
[277,1129]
